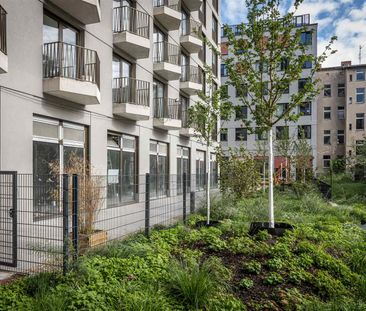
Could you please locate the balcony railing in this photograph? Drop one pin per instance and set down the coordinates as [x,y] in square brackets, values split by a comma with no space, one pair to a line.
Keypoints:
[166,108]
[70,61]
[130,90]
[3,47]
[191,74]
[166,52]
[173,4]
[129,19]
[185,116]
[190,27]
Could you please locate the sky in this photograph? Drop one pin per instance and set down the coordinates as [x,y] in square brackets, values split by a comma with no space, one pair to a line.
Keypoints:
[345,19]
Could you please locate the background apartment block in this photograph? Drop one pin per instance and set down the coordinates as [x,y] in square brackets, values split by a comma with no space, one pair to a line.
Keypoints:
[233,133]
[341,111]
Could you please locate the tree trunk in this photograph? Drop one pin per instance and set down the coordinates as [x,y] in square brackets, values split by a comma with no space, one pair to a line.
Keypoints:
[264,176]
[208,184]
[270,176]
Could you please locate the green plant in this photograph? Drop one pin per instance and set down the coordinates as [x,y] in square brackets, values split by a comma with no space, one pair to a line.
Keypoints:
[246,283]
[298,275]
[262,235]
[275,264]
[327,286]
[273,278]
[193,284]
[253,267]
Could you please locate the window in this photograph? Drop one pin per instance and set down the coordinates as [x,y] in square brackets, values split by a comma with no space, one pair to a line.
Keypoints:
[214,171]
[159,53]
[327,90]
[340,137]
[241,134]
[283,64]
[224,71]
[215,32]
[327,112]
[301,84]
[360,95]
[341,90]
[225,90]
[306,38]
[360,146]
[215,4]
[242,91]
[56,30]
[305,109]
[224,48]
[340,112]
[159,169]
[360,75]
[281,108]
[304,132]
[159,93]
[286,89]
[214,63]
[202,13]
[326,161]
[58,143]
[326,137]
[183,166]
[200,170]
[307,64]
[260,134]
[360,121]
[282,132]
[223,134]
[241,112]
[202,52]
[122,169]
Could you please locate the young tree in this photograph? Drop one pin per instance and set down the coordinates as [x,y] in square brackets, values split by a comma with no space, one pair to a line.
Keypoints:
[267,57]
[204,116]
[303,157]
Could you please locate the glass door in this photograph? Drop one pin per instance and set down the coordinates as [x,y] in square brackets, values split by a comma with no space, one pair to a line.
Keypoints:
[159,39]
[159,93]
[122,85]
[185,67]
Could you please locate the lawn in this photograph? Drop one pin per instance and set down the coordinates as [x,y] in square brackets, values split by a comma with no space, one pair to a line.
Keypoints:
[320,265]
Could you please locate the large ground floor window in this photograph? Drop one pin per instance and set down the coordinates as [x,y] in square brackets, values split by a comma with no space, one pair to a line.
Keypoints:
[200,170]
[214,171]
[159,169]
[183,166]
[121,169]
[56,146]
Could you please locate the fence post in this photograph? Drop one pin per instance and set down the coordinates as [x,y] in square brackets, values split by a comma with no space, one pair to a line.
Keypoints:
[193,202]
[147,205]
[75,216]
[184,198]
[65,213]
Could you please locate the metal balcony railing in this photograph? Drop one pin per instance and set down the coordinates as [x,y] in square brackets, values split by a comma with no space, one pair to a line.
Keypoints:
[173,4]
[3,46]
[129,19]
[166,108]
[70,61]
[190,27]
[191,74]
[166,52]
[184,116]
[130,90]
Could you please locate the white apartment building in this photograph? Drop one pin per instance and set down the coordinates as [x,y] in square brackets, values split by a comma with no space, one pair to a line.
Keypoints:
[233,132]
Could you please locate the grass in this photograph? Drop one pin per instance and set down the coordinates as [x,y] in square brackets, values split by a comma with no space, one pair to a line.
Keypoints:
[320,265]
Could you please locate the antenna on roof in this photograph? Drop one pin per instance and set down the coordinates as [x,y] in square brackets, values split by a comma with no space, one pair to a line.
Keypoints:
[360,54]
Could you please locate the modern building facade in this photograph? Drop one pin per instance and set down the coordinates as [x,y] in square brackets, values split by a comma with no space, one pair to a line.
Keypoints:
[341,113]
[96,77]
[109,81]
[233,132]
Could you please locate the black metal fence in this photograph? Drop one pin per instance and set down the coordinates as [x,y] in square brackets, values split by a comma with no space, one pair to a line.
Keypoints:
[129,19]
[191,74]
[70,61]
[48,221]
[173,4]
[190,27]
[167,108]
[3,40]
[130,90]
[166,52]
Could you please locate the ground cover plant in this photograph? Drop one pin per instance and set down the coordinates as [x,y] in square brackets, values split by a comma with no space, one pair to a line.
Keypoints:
[320,265]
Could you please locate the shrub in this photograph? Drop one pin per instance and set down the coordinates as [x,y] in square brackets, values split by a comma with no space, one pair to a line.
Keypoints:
[246,283]
[273,278]
[327,286]
[193,284]
[298,275]
[253,267]
[275,264]
[262,235]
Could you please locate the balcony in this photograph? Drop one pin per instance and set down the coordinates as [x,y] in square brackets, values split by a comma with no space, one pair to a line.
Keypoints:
[86,11]
[189,37]
[193,5]
[3,40]
[131,31]
[186,130]
[71,72]
[167,12]
[131,98]
[167,60]
[166,114]
[191,80]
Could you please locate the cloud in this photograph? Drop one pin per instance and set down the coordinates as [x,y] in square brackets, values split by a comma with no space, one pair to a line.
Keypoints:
[233,11]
